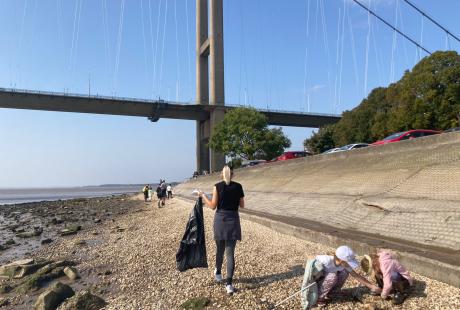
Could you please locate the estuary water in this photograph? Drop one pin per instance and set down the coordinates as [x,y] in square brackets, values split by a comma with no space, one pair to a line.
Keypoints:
[24,195]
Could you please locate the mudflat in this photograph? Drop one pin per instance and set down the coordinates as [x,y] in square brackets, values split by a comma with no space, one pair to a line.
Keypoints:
[128,259]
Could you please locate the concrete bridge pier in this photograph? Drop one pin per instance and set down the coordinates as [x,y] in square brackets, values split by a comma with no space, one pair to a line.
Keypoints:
[209,79]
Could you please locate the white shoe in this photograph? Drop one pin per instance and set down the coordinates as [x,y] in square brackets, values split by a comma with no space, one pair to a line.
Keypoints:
[229,288]
[217,277]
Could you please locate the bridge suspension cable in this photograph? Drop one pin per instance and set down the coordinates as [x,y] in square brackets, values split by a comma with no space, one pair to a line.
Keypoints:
[105,22]
[392,27]
[163,47]
[119,40]
[432,20]
[305,81]
[368,39]
[188,46]
[143,38]
[353,49]
[177,52]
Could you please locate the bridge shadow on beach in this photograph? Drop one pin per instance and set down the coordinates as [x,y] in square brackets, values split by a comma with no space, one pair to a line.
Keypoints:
[256,282]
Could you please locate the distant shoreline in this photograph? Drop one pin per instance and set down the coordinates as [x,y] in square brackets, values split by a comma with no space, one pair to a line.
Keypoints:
[30,195]
[15,196]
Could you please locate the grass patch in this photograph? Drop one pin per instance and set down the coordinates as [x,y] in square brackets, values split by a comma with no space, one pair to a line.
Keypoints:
[196,303]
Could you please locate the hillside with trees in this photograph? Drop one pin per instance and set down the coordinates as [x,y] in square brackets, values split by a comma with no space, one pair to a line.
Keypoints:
[428,97]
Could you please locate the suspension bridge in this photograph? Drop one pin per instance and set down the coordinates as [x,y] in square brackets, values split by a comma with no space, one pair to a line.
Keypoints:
[210,104]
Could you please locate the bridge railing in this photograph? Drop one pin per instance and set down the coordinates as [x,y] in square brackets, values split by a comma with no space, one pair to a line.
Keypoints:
[121,99]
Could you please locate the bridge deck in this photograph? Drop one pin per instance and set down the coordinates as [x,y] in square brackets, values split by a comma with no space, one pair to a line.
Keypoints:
[154,110]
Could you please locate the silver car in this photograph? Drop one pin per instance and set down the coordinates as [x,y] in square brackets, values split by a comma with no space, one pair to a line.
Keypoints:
[353,146]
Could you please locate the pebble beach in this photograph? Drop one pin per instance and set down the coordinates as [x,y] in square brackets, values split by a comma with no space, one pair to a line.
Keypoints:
[128,259]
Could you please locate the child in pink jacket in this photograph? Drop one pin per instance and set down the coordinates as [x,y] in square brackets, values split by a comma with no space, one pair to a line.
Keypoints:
[390,275]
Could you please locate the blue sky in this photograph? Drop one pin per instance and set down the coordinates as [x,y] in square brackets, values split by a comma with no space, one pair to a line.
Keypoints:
[300,55]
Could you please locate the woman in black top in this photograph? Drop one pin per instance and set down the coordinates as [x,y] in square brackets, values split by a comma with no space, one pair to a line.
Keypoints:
[227,197]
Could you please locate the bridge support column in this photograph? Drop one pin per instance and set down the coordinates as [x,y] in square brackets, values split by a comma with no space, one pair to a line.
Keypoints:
[202,85]
[216,72]
[202,149]
[209,79]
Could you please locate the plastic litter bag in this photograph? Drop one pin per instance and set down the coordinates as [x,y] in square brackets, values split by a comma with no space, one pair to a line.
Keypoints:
[192,248]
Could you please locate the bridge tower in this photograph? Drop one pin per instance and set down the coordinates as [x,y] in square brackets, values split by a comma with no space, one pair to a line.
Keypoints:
[209,79]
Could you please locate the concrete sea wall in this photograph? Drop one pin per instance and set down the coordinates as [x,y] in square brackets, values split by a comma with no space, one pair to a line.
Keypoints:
[407,191]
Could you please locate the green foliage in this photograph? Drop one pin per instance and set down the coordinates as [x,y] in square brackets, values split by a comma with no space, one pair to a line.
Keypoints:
[244,133]
[196,303]
[320,141]
[235,163]
[428,97]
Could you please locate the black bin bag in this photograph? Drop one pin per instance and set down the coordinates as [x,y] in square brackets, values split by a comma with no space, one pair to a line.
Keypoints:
[192,248]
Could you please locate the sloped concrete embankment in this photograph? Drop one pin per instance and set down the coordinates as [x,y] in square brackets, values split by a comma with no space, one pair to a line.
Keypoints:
[403,195]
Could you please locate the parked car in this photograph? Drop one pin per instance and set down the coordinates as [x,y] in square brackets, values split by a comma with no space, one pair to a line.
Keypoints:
[407,135]
[453,129]
[330,151]
[353,146]
[292,155]
[250,163]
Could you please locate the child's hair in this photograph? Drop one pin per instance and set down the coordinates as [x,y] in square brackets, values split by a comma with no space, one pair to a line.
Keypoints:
[375,263]
[370,264]
[365,265]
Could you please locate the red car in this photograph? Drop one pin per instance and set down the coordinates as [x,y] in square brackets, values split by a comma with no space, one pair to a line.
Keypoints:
[292,155]
[407,135]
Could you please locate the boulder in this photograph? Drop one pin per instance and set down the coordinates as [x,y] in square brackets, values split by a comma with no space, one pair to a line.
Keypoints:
[29,234]
[25,270]
[46,241]
[47,273]
[83,300]
[53,297]
[71,230]
[71,273]
[12,269]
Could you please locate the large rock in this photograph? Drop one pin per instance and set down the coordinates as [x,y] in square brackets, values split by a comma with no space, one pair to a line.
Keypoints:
[45,274]
[71,273]
[83,300]
[53,297]
[13,269]
[70,230]
[36,232]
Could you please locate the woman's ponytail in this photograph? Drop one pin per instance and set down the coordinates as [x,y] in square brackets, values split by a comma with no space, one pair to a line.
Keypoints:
[227,174]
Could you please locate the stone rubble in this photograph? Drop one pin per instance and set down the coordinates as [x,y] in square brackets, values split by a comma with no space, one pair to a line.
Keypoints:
[134,267]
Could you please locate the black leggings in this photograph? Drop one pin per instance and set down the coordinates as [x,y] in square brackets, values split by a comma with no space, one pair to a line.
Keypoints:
[227,246]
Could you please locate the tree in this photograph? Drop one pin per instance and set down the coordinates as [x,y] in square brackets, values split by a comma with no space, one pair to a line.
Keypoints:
[428,97]
[320,141]
[244,133]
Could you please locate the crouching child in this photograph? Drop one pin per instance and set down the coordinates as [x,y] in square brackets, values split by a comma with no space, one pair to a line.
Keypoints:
[389,273]
[326,274]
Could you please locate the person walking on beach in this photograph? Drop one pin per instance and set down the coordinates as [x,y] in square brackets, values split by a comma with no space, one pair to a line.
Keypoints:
[149,193]
[161,193]
[227,197]
[145,191]
[169,190]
